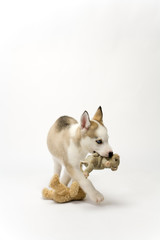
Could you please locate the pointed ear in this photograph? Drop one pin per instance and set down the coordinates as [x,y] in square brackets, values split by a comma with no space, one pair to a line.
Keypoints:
[85,121]
[98,116]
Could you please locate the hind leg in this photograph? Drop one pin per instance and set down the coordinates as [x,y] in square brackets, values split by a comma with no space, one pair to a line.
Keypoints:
[57,166]
[65,178]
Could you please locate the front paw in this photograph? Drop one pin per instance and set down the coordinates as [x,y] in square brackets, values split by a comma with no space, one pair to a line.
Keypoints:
[96,197]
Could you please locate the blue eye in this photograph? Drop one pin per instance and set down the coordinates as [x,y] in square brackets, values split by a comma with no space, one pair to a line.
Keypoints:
[99,141]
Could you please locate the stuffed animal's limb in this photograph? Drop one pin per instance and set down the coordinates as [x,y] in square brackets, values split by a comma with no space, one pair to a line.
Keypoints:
[57,186]
[80,195]
[74,188]
[76,191]
[60,193]
[62,198]
[65,178]
[106,163]
[84,183]
[88,169]
[53,195]
[90,162]
[68,198]
[48,194]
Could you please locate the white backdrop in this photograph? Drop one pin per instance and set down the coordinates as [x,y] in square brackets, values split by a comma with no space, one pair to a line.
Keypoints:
[61,58]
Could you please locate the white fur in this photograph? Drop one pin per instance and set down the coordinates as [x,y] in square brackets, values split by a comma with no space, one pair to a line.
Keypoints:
[104,148]
[57,166]
[73,129]
[75,155]
[76,151]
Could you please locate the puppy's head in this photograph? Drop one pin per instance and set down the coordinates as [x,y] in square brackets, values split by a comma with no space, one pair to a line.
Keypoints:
[94,134]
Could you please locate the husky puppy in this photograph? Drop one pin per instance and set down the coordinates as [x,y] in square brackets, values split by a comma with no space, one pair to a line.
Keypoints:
[69,142]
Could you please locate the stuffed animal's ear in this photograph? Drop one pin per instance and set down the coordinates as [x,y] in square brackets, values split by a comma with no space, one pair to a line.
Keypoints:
[98,116]
[85,121]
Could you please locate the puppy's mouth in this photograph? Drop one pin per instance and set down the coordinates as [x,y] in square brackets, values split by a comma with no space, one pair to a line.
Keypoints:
[100,154]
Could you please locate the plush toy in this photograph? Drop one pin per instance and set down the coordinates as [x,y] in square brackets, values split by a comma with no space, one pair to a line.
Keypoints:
[95,161]
[61,193]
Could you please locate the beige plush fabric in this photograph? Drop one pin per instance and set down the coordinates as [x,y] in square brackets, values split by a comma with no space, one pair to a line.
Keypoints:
[60,193]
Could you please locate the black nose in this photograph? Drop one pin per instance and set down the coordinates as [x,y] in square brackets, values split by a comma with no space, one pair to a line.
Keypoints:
[110,154]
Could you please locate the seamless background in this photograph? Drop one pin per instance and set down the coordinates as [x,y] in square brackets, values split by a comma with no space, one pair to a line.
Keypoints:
[61,58]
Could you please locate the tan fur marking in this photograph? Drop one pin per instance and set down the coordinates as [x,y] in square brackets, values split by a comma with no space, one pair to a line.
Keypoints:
[55,144]
[57,132]
[99,115]
[91,131]
[64,122]
[77,137]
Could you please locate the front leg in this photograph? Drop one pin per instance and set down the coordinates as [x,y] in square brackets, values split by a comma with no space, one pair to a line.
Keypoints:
[65,178]
[85,184]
